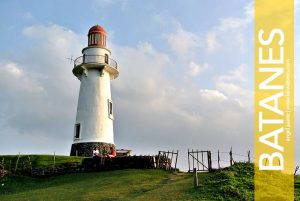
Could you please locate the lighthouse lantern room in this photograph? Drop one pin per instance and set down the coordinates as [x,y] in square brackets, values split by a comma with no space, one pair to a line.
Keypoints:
[94,120]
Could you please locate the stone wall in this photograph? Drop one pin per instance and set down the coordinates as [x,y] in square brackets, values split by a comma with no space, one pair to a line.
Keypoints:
[86,149]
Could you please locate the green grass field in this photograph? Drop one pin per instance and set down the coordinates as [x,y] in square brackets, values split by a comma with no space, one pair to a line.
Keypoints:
[233,183]
[9,161]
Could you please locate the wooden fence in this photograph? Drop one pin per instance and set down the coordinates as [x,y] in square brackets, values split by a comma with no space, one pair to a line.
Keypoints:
[207,161]
[167,160]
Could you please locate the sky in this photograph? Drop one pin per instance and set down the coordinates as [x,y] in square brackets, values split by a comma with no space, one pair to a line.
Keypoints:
[186,74]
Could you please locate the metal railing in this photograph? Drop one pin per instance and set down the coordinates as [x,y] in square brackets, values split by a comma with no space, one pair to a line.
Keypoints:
[95,59]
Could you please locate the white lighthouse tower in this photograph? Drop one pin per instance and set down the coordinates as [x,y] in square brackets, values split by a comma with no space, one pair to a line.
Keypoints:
[94,120]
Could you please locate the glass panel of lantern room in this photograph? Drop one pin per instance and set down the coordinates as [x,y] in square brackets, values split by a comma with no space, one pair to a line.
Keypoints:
[96,39]
[93,39]
[100,39]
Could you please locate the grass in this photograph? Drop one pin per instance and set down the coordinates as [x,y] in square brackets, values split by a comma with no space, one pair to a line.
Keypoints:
[233,183]
[38,161]
[112,185]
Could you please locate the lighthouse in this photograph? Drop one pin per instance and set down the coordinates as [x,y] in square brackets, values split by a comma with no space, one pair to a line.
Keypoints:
[95,69]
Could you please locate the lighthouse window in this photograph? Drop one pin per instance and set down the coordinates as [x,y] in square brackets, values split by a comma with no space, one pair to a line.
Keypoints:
[106,58]
[77,130]
[110,109]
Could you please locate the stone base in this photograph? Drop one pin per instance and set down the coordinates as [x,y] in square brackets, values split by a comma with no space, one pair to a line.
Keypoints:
[86,148]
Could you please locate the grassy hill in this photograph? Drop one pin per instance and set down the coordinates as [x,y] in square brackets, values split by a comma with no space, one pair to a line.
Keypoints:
[233,183]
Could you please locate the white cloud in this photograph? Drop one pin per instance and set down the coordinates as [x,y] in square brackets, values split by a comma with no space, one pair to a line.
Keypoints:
[37,88]
[182,42]
[233,83]
[212,95]
[230,29]
[211,42]
[237,74]
[236,23]
[12,69]
[196,69]
[14,81]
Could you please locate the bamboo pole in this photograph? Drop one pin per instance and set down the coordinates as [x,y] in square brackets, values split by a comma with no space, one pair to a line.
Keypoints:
[17,162]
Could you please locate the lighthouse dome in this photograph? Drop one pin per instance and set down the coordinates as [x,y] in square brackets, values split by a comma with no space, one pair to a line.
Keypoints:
[97,36]
[97,29]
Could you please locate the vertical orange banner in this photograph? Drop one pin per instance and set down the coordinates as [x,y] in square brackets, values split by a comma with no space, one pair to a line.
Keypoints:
[274,99]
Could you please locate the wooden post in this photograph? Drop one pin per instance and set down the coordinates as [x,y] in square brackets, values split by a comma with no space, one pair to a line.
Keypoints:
[210,165]
[17,162]
[249,157]
[158,160]
[218,159]
[195,179]
[202,161]
[167,161]
[193,158]
[297,168]
[231,159]
[189,160]
[154,161]
[3,163]
[30,164]
[54,160]
[171,159]
[176,159]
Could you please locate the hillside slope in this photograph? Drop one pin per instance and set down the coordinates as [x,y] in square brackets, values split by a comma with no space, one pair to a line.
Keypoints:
[233,183]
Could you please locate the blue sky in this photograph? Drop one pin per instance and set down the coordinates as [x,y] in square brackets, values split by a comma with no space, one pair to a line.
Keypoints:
[186,73]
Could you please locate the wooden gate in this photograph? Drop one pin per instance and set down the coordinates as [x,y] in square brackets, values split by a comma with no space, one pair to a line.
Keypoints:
[201,160]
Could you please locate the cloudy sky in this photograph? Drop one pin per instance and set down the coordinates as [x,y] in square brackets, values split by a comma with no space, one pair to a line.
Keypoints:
[186,73]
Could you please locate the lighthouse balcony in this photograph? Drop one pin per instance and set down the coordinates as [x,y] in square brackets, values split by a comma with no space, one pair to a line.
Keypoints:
[95,61]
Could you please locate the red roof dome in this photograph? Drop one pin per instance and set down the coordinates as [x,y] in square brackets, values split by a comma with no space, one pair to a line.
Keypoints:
[97,29]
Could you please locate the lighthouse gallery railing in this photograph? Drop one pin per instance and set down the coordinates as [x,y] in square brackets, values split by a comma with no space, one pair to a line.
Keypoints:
[95,59]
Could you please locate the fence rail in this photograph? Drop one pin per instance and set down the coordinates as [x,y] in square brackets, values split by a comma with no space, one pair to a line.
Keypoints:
[95,59]
[207,160]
